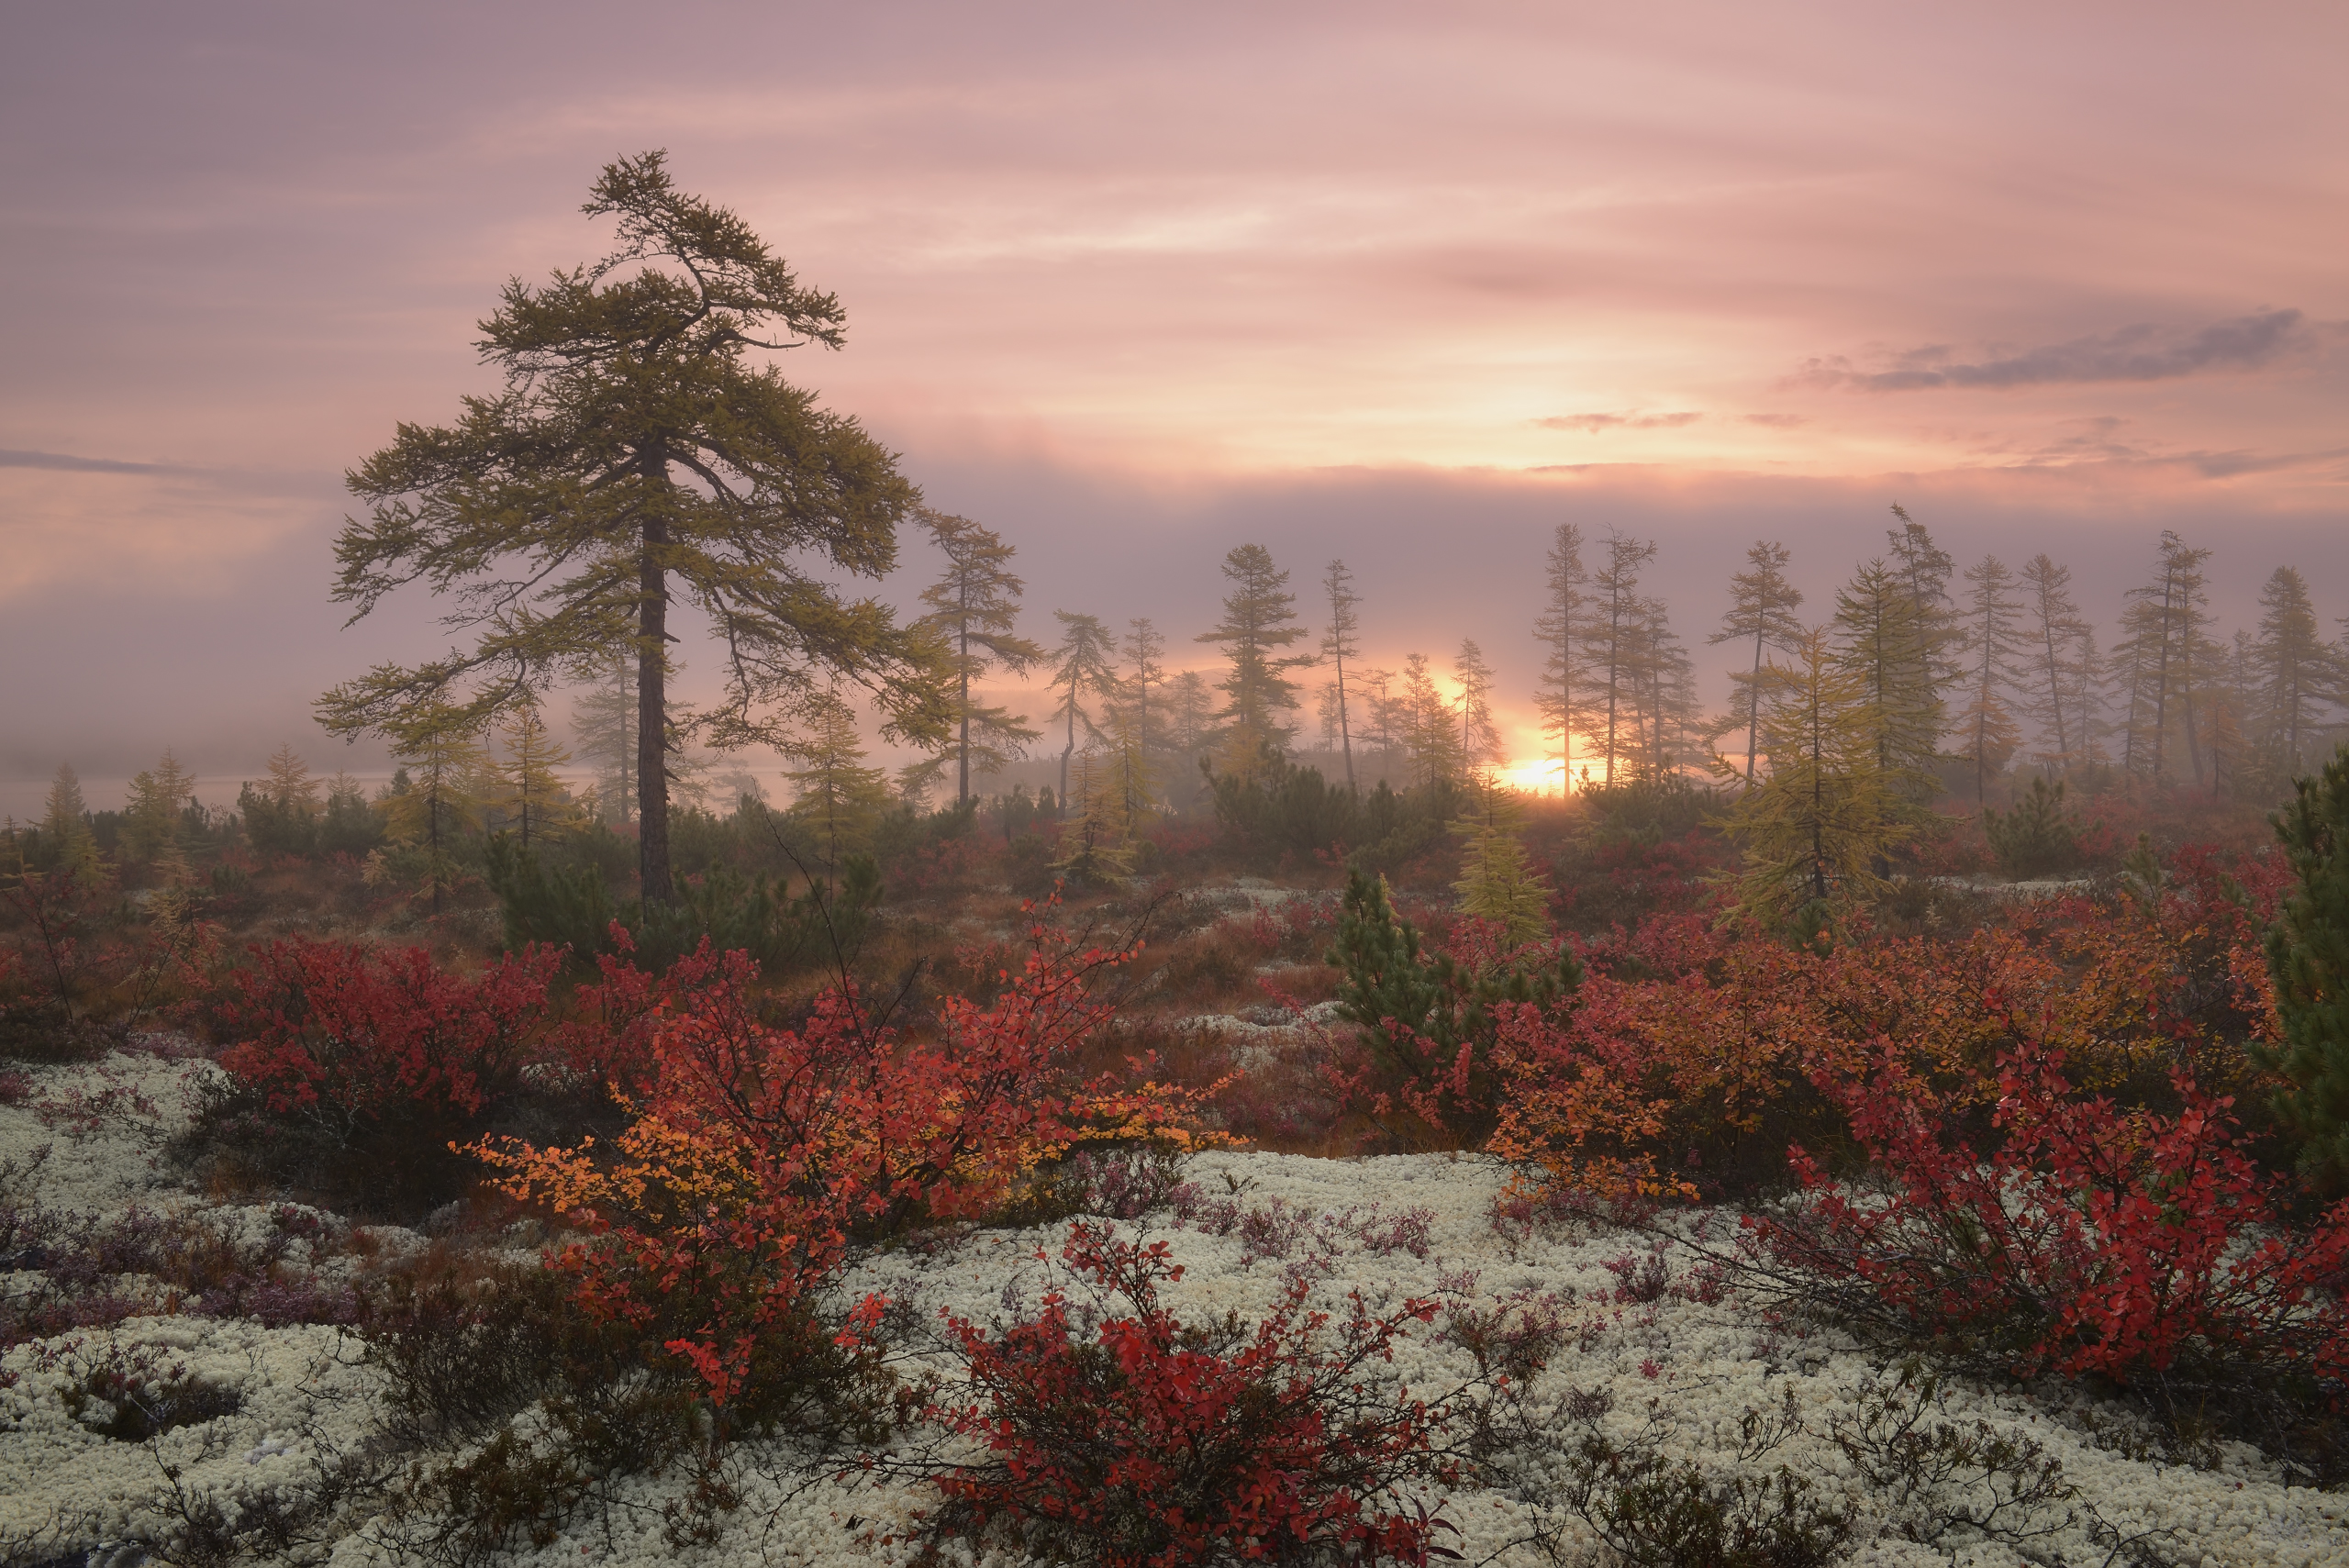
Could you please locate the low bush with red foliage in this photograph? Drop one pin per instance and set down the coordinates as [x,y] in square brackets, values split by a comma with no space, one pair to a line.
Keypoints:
[1691,1054]
[2076,1238]
[343,1034]
[81,968]
[756,1153]
[1117,1434]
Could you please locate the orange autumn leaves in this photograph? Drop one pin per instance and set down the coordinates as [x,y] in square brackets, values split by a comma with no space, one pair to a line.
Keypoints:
[758,1152]
[1713,1047]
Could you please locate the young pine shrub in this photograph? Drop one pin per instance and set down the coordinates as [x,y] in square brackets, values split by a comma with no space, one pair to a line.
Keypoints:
[2308,956]
[1430,1021]
[2037,837]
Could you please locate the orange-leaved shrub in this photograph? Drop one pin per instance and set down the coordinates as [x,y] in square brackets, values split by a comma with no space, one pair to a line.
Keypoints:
[756,1153]
[1691,1057]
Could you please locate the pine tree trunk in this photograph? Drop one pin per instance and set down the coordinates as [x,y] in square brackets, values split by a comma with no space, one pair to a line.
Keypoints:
[1345,737]
[963,781]
[1065,752]
[652,720]
[1754,710]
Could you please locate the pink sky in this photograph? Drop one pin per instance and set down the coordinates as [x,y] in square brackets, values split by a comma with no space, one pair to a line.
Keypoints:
[1404,284]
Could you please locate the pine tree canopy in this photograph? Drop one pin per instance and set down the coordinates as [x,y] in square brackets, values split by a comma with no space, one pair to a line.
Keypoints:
[974,605]
[636,456]
[1259,619]
[2308,955]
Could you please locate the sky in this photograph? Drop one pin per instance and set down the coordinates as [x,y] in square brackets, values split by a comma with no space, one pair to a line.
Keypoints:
[1406,284]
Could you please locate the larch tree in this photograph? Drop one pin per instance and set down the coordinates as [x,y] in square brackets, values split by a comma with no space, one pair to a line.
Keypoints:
[1259,620]
[1761,606]
[1376,690]
[1424,727]
[1667,707]
[1085,664]
[531,795]
[1099,842]
[1145,654]
[603,724]
[1480,739]
[66,840]
[636,457]
[974,605]
[437,746]
[1190,712]
[2059,640]
[1557,629]
[2164,645]
[290,785]
[2291,665]
[835,798]
[1826,816]
[1615,643]
[1497,881]
[1882,641]
[1991,643]
[1341,641]
[1926,568]
[280,813]
[158,802]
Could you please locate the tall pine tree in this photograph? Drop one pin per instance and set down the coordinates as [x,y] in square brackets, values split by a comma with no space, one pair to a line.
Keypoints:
[974,605]
[1761,606]
[1339,642]
[1559,630]
[1615,650]
[1084,664]
[1259,620]
[1990,638]
[636,458]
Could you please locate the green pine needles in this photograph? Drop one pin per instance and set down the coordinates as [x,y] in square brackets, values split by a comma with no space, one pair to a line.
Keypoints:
[2307,953]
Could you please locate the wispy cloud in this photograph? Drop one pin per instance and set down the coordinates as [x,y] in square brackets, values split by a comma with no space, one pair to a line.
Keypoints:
[2140,353]
[13,459]
[1593,423]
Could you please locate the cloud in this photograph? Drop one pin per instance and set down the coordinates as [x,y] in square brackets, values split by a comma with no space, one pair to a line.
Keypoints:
[2139,352]
[1594,423]
[1777,421]
[9,458]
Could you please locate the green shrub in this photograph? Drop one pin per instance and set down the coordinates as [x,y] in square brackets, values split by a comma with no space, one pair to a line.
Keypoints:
[2308,955]
[2037,837]
[569,906]
[1645,811]
[1420,1014]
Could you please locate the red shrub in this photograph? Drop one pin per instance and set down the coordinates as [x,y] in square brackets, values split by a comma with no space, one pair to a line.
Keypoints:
[1121,1436]
[341,1033]
[2088,1241]
[757,1151]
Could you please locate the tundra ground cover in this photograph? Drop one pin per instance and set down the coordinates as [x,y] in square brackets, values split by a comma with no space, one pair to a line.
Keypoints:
[827,1283]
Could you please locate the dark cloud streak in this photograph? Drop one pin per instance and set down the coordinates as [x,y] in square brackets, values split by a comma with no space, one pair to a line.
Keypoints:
[2139,352]
[12,459]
